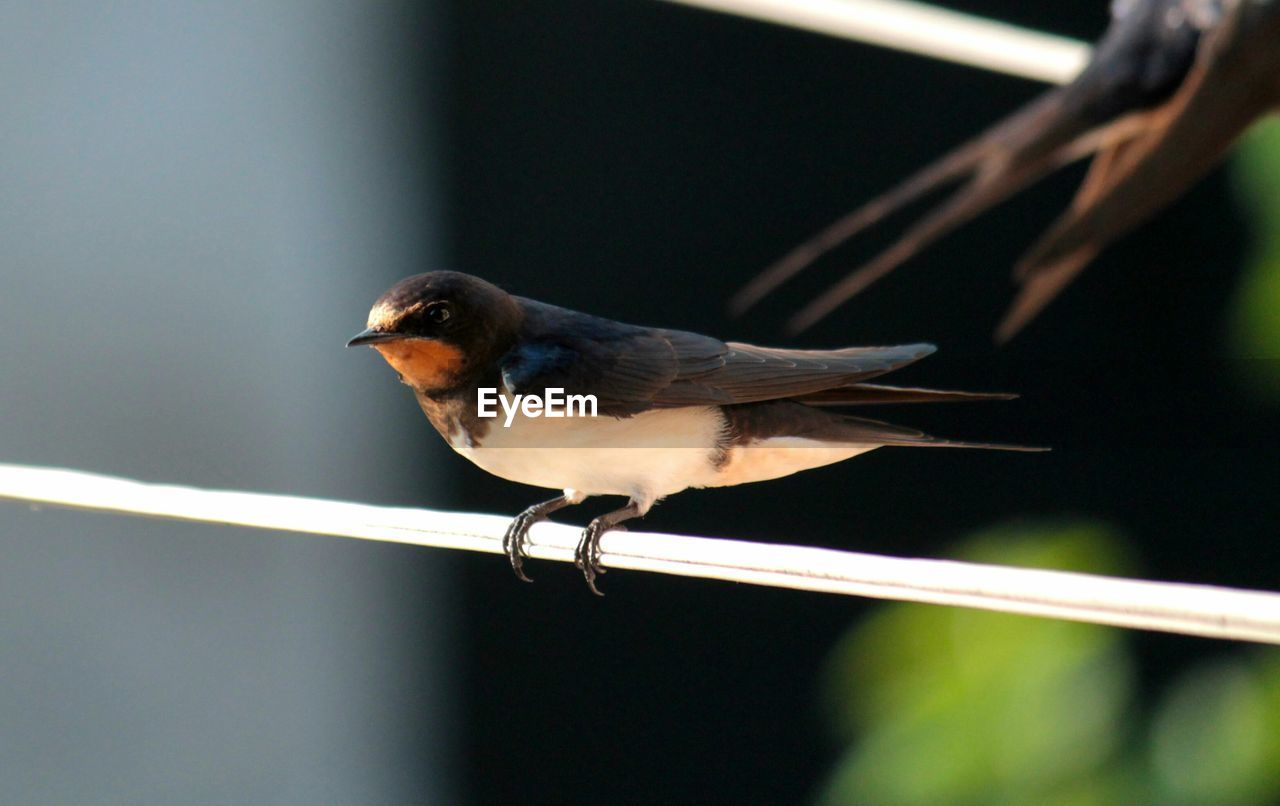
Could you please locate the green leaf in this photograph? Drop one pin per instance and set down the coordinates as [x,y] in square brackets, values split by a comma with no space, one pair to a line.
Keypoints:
[955,705]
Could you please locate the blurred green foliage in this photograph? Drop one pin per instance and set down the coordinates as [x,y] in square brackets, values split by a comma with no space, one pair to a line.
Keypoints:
[1255,323]
[946,705]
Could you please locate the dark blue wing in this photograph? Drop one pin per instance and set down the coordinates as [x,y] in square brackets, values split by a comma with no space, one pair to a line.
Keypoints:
[632,369]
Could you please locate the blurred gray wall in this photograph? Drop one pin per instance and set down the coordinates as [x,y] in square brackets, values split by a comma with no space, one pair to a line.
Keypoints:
[198,202]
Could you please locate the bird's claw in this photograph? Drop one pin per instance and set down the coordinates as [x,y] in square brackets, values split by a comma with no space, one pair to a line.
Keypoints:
[513,545]
[587,555]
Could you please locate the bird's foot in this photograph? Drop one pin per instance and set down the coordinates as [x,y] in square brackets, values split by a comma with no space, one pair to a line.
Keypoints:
[517,535]
[587,555]
[513,541]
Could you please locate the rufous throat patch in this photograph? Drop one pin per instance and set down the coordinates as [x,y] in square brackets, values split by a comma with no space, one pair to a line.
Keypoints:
[422,363]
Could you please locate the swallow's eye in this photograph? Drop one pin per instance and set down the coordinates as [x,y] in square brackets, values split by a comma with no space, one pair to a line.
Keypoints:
[439,313]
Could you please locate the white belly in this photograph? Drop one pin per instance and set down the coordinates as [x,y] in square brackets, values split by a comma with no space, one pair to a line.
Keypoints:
[647,456]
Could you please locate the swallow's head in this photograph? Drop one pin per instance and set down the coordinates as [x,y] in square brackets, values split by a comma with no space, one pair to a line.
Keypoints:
[438,329]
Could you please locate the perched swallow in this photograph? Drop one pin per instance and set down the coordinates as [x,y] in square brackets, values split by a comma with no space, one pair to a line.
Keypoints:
[1171,86]
[673,409]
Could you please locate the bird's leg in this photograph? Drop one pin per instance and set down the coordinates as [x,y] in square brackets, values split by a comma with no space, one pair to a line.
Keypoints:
[513,541]
[587,557]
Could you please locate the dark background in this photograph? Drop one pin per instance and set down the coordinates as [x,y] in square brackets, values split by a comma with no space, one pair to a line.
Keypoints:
[198,203]
[640,161]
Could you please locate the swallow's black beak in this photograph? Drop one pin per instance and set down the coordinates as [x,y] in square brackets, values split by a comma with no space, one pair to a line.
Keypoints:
[371,336]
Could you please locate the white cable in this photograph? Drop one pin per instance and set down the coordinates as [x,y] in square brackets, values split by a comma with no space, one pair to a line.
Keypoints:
[923,29]
[1170,607]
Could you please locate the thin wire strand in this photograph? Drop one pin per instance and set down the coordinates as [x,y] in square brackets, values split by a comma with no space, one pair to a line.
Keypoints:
[923,29]
[1170,607]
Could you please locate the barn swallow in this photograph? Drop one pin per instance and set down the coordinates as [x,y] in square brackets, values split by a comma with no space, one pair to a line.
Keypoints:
[1170,87]
[673,409]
